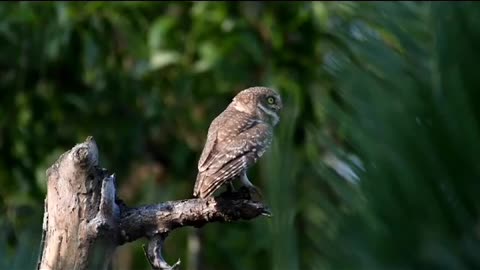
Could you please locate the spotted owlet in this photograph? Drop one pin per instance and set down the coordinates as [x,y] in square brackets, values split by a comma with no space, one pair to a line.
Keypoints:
[237,138]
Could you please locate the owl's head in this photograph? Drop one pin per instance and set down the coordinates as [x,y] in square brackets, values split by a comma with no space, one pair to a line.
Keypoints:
[263,102]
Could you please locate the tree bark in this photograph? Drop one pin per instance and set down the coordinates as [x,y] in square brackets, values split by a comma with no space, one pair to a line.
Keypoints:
[84,221]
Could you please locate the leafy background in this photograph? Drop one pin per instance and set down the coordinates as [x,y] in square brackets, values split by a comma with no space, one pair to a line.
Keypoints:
[374,164]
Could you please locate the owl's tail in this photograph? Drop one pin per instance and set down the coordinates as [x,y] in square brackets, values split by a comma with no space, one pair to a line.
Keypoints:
[198,184]
[205,186]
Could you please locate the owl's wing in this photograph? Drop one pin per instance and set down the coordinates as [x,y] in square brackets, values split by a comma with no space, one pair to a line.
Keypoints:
[231,169]
[209,145]
[207,153]
[242,151]
[223,128]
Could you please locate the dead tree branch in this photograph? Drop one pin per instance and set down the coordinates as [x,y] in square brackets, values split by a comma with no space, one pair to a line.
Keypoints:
[84,221]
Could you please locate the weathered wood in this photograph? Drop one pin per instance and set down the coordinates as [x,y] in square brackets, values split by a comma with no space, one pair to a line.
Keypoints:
[72,217]
[162,218]
[84,221]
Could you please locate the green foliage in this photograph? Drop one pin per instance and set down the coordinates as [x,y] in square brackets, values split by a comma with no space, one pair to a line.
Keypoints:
[412,121]
[374,162]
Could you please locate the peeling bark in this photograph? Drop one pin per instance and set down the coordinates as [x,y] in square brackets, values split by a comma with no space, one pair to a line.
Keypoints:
[84,221]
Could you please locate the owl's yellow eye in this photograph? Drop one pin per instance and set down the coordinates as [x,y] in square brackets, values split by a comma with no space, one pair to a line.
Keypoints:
[270,100]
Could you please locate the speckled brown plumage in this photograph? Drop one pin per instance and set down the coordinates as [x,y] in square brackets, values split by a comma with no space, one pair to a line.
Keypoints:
[237,138]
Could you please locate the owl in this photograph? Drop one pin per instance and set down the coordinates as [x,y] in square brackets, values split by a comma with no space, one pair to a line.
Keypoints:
[236,139]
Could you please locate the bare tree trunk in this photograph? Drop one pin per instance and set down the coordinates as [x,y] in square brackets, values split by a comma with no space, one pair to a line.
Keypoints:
[84,221]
